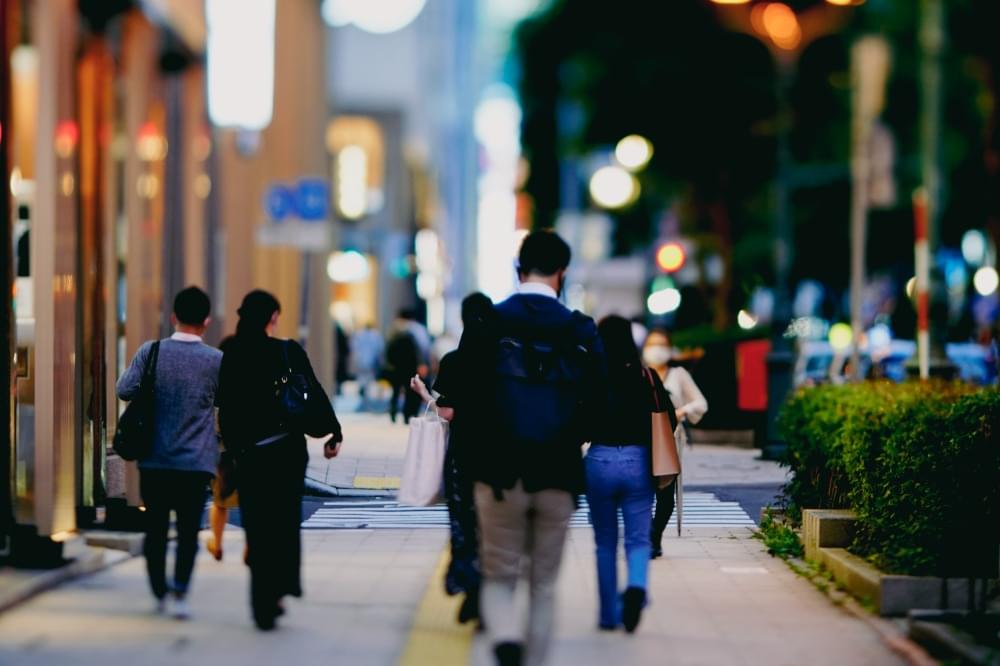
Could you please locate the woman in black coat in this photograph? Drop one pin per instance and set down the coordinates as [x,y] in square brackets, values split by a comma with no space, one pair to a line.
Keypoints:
[267,438]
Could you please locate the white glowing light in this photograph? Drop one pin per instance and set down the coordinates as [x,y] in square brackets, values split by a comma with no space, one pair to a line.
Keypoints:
[497,125]
[613,187]
[664,301]
[986,280]
[974,247]
[240,62]
[375,16]
[746,320]
[349,266]
[634,152]
[352,182]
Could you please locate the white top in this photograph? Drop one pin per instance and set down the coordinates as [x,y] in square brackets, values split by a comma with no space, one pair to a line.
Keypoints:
[685,394]
[185,337]
[537,289]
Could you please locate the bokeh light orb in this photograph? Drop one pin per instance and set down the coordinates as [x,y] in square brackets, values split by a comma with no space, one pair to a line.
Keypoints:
[670,257]
[613,187]
[841,336]
[634,152]
[664,301]
[986,280]
[974,247]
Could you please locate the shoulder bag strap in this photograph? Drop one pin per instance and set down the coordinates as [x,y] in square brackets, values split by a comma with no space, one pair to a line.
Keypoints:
[652,387]
[148,383]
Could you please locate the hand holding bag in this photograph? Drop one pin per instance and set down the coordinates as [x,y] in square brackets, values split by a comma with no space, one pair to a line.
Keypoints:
[666,462]
[134,436]
[423,466]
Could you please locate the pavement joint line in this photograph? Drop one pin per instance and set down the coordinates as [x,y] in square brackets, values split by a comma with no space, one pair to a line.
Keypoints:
[436,637]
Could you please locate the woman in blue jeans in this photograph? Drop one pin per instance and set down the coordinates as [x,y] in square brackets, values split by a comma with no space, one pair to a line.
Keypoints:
[620,475]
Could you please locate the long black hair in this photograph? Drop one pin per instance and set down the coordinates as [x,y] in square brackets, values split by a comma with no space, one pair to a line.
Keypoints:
[619,345]
[255,313]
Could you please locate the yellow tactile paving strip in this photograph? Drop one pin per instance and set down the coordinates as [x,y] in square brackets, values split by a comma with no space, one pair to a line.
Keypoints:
[436,639]
[377,482]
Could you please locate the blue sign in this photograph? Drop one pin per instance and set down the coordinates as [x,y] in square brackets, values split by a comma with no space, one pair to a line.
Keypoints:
[307,200]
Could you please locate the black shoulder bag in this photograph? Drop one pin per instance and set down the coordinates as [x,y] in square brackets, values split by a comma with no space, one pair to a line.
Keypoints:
[291,388]
[135,434]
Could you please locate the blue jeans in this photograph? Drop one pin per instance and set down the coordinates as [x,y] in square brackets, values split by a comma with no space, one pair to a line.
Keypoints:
[619,477]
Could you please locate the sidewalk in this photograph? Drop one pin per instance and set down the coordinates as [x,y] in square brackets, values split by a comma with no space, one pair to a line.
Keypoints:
[374,598]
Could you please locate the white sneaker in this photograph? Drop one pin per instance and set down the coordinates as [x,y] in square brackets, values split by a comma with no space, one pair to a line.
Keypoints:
[160,606]
[179,609]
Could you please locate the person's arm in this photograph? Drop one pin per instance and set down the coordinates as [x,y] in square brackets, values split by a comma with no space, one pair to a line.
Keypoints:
[694,404]
[322,419]
[129,383]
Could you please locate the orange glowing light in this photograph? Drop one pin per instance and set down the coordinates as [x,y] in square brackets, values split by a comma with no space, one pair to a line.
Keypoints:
[731,2]
[67,134]
[670,257]
[150,145]
[781,25]
[846,3]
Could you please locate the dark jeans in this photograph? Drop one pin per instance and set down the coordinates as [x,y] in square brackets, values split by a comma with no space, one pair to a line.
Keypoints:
[619,479]
[665,500]
[411,401]
[464,574]
[163,491]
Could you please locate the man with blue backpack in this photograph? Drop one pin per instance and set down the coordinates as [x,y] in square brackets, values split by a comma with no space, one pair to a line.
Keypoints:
[547,386]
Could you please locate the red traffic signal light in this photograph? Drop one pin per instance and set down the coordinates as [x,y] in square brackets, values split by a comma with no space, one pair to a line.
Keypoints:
[671,257]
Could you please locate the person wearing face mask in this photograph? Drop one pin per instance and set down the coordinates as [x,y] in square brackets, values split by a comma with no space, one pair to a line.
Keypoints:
[691,407]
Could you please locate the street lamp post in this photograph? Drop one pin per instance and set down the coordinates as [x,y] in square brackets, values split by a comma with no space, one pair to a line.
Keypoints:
[786,35]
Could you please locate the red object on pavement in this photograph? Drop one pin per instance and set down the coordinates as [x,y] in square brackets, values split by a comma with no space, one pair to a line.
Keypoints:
[751,375]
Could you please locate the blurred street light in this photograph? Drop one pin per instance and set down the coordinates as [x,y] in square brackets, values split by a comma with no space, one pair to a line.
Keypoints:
[381,17]
[841,337]
[986,280]
[634,152]
[613,187]
[664,301]
[347,267]
[240,62]
[671,257]
[746,320]
[974,247]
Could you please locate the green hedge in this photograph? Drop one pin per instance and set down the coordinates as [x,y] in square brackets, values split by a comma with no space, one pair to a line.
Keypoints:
[918,462]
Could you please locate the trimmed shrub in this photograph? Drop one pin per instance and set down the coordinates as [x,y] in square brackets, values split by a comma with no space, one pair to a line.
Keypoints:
[918,462]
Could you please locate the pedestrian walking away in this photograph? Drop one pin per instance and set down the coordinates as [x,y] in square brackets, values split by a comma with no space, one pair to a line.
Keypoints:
[463,377]
[269,399]
[529,467]
[690,407]
[403,361]
[620,476]
[174,476]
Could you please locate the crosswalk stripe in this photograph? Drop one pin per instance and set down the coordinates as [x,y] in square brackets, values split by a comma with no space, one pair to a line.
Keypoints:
[700,510]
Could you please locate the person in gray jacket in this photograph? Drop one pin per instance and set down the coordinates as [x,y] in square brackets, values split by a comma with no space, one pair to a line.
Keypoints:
[176,473]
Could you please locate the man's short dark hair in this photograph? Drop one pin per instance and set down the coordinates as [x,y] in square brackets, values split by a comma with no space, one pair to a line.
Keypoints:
[543,253]
[192,306]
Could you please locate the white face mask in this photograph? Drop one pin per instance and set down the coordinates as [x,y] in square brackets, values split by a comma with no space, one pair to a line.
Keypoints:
[656,356]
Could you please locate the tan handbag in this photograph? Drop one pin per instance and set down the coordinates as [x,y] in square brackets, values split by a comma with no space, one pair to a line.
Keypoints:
[666,462]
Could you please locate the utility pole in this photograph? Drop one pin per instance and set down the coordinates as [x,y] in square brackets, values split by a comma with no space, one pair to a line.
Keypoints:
[932,38]
[869,70]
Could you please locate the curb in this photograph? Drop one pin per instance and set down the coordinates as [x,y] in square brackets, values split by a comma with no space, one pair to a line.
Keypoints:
[35,582]
[891,634]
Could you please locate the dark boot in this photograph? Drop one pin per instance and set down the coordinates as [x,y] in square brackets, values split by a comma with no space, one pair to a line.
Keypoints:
[633,600]
[509,654]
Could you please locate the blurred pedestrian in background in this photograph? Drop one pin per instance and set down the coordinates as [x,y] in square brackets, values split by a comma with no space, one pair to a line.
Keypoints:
[269,400]
[690,406]
[175,475]
[620,475]
[367,348]
[465,377]
[402,362]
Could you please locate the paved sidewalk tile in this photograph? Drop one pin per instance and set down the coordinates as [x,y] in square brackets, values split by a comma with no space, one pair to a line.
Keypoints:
[717,599]
[362,589]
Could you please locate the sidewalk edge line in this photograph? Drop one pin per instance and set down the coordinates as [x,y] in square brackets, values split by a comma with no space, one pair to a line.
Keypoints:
[435,637]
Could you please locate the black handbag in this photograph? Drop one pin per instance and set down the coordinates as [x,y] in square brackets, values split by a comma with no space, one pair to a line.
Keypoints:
[292,391]
[134,436]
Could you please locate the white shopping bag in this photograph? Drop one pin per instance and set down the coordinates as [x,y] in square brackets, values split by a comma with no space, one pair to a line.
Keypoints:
[423,467]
